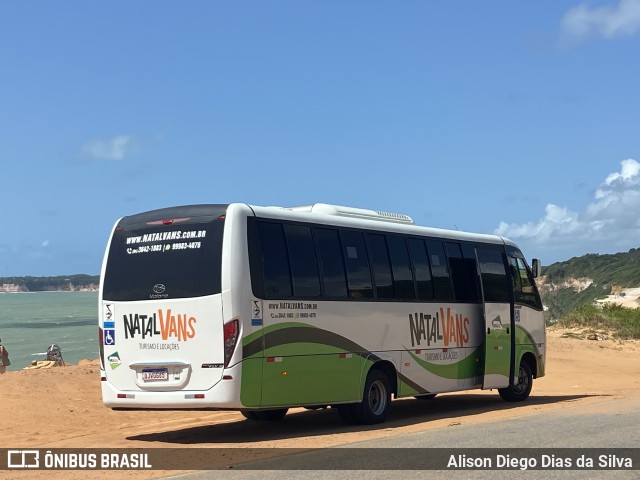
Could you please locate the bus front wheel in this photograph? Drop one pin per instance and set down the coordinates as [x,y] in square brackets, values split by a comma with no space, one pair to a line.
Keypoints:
[375,401]
[520,391]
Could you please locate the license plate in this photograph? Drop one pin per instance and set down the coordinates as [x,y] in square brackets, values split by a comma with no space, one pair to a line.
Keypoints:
[151,374]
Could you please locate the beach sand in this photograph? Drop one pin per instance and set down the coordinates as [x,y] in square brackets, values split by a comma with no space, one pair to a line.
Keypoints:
[62,408]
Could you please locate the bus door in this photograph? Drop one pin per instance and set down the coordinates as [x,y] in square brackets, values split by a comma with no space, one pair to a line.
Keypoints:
[499,333]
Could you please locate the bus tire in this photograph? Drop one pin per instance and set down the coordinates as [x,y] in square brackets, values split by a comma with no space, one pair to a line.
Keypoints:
[375,400]
[519,392]
[270,415]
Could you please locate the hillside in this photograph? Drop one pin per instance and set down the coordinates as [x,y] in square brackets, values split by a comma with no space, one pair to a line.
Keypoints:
[564,286]
[67,283]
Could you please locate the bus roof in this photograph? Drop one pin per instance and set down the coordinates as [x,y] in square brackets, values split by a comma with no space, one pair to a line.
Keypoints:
[321,213]
[370,219]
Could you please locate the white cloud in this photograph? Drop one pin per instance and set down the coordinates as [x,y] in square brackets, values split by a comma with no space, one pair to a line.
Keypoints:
[607,21]
[114,149]
[610,220]
[45,244]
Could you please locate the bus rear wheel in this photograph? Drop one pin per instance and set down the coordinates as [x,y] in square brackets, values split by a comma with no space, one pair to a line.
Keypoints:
[520,391]
[375,401]
[248,414]
[265,415]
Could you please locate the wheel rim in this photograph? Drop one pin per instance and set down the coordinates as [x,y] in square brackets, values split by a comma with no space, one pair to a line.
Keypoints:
[377,397]
[523,381]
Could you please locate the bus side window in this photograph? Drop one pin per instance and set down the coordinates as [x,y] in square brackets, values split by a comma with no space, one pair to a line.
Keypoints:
[401,267]
[380,266]
[302,255]
[464,272]
[357,264]
[421,269]
[255,259]
[275,260]
[458,272]
[438,261]
[471,266]
[333,275]
[494,275]
[525,291]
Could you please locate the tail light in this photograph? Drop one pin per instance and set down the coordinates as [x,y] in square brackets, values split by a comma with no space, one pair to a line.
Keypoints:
[231,332]
[101,347]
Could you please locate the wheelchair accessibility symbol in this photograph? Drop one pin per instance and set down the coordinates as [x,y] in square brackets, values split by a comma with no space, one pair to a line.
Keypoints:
[109,337]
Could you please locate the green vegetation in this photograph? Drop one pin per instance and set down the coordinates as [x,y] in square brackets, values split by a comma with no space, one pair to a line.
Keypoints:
[619,268]
[621,322]
[41,284]
[565,300]
[572,307]
[605,271]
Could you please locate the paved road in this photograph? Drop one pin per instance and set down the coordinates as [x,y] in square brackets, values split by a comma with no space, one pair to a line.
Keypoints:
[610,424]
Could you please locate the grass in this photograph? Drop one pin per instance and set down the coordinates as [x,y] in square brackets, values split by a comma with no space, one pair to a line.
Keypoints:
[619,321]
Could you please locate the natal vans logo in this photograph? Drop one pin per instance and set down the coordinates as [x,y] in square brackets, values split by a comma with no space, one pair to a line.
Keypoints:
[451,328]
[163,324]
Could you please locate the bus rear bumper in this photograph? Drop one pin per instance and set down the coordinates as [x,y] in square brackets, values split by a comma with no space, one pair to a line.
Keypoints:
[225,394]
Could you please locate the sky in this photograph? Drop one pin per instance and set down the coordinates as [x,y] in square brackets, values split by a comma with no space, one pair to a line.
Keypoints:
[515,118]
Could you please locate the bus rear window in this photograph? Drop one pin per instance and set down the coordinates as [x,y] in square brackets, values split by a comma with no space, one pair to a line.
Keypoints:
[164,261]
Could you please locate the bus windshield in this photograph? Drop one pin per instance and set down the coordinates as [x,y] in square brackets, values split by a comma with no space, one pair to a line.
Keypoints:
[161,257]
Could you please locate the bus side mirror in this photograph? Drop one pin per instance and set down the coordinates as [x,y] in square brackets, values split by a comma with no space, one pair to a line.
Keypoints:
[536,266]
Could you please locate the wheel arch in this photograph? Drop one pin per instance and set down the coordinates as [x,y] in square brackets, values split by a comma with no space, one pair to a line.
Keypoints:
[389,369]
[530,359]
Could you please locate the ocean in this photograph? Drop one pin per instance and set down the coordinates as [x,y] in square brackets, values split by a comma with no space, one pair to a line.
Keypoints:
[30,322]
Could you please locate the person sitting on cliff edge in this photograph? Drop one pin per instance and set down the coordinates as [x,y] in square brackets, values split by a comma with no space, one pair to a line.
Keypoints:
[4,358]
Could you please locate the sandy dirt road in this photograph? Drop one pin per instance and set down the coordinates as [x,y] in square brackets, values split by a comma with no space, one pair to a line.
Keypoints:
[62,408]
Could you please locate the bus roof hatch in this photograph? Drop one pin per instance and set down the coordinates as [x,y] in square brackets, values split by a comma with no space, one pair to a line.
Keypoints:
[327,209]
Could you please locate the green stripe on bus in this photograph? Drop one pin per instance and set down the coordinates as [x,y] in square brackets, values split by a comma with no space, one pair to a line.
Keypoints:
[465,368]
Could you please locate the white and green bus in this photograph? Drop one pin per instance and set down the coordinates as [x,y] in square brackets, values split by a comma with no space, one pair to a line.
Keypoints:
[261,309]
